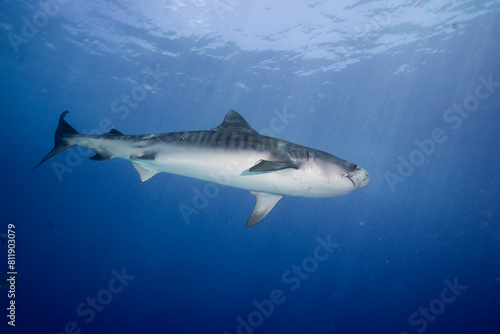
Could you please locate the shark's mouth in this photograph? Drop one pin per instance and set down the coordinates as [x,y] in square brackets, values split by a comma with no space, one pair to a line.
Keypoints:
[355,185]
[359,178]
[350,179]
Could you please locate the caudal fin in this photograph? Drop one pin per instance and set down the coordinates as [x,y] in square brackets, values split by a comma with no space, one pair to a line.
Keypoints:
[62,131]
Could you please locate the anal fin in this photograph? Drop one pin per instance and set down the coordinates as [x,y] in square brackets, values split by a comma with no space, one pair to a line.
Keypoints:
[264,203]
[144,173]
[101,156]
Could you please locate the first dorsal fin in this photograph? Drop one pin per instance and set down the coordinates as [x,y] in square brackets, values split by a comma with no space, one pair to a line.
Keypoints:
[234,122]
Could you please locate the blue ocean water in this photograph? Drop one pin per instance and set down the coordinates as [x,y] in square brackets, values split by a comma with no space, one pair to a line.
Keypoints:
[409,90]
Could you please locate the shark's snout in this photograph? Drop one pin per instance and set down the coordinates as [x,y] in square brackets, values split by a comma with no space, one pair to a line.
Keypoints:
[359,177]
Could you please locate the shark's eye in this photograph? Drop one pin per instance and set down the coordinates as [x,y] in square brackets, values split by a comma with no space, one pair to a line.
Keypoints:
[354,166]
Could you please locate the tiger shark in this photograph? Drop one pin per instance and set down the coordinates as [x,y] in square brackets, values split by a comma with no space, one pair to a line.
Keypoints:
[232,154]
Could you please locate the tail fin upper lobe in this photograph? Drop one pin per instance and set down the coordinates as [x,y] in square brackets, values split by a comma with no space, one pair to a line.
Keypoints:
[63,130]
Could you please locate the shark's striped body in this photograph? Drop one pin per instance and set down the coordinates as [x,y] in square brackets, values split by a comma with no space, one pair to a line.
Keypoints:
[232,154]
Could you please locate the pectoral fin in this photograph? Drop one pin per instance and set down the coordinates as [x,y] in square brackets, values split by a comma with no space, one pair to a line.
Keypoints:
[144,173]
[148,155]
[264,203]
[270,166]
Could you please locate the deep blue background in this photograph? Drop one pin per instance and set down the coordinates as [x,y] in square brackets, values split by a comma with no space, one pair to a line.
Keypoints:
[396,247]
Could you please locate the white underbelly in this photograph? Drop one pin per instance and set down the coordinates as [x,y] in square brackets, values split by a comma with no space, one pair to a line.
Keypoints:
[231,169]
